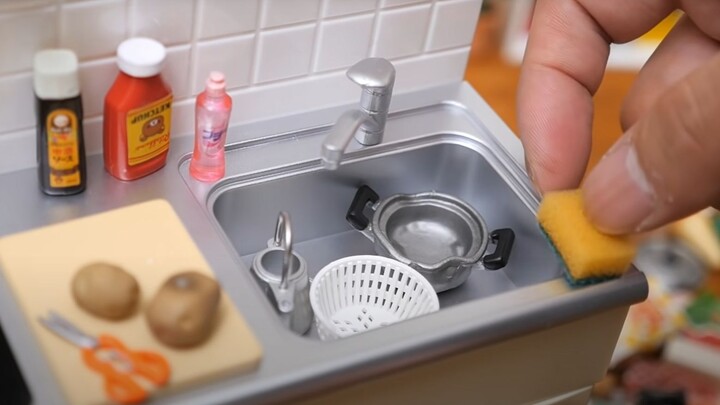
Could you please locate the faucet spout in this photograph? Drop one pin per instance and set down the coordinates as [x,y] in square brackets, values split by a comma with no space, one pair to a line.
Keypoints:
[376,76]
[340,136]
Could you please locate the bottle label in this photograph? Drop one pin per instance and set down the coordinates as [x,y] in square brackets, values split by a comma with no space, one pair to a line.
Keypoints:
[63,148]
[212,140]
[148,131]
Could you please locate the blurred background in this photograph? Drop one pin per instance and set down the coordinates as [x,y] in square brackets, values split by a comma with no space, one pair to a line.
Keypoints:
[669,349]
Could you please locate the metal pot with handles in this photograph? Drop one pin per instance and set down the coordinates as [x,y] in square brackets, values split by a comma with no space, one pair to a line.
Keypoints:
[440,236]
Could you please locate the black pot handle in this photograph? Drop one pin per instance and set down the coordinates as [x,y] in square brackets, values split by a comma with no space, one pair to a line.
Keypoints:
[503,240]
[355,215]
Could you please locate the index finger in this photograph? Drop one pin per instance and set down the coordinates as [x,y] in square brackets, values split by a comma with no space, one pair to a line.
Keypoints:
[564,64]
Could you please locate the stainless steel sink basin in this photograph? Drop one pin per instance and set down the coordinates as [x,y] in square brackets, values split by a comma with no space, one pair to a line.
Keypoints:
[441,155]
[318,200]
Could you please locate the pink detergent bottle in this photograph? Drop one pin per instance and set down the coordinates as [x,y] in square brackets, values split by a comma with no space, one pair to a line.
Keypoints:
[212,114]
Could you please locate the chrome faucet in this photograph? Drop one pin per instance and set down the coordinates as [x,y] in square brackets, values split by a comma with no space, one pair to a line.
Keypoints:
[376,76]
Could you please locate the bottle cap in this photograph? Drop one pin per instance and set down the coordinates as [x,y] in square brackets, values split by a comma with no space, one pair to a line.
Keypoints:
[55,74]
[140,57]
[215,83]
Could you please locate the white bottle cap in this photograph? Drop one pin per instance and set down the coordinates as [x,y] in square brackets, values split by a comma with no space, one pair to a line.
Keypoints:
[55,74]
[141,57]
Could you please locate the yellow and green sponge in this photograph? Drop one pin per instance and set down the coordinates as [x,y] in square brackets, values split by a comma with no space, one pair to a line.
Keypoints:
[589,255]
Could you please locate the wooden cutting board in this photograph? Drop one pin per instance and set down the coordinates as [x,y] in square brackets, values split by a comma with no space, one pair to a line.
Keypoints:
[150,242]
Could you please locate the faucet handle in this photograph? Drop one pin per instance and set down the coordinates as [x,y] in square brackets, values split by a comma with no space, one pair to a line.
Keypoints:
[377,74]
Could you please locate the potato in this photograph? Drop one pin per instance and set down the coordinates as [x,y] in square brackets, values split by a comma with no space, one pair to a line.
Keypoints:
[182,313]
[106,290]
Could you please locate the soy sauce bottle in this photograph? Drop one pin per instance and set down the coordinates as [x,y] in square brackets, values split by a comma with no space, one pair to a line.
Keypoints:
[60,140]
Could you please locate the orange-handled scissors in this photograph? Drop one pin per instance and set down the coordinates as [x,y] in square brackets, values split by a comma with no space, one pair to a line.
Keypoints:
[116,363]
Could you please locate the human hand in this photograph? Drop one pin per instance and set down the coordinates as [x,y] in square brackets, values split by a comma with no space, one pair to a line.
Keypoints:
[667,163]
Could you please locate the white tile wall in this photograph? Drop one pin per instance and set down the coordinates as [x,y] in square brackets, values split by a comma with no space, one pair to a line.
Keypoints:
[402,32]
[177,70]
[97,75]
[228,55]
[279,56]
[334,50]
[23,141]
[17,93]
[284,53]
[284,12]
[22,35]
[93,29]
[453,24]
[168,21]
[226,17]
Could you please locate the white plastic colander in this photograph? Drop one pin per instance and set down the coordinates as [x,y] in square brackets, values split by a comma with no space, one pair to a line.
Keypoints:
[359,293]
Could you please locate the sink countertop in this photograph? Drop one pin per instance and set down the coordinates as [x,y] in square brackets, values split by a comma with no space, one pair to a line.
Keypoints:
[292,365]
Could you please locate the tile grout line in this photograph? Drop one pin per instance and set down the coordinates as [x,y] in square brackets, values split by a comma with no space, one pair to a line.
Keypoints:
[20,74]
[256,49]
[315,51]
[226,37]
[198,15]
[430,26]
[348,15]
[375,31]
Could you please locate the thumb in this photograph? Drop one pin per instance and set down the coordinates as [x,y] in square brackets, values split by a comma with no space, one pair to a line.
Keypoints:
[667,165]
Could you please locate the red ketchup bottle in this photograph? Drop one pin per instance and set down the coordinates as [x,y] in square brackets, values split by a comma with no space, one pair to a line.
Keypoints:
[136,122]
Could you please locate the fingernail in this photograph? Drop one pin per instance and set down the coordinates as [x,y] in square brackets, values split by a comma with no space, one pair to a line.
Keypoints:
[618,196]
[623,141]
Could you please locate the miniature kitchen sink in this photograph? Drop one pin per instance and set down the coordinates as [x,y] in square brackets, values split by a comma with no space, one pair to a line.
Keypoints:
[515,335]
[438,148]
